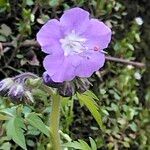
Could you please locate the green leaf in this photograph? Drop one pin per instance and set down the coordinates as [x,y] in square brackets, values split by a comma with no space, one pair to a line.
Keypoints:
[2,38]
[126,144]
[30,2]
[3,117]
[3,3]
[133,127]
[80,144]
[9,111]
[130,46]
[36,122]
[5,30]
[15,131]
[74,144]
[93,108]
[6,146]
[93,144]
[91,94]
[84,145]
[54,3]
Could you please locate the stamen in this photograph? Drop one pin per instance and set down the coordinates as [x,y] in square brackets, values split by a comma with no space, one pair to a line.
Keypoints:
[97,48]
[102,51]
[73,44]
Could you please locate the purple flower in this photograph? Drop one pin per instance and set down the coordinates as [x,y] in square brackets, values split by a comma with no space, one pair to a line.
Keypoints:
[16,92]
[5,85]
[74,45]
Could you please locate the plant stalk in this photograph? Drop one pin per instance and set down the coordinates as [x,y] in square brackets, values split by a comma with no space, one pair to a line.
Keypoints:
[54,122]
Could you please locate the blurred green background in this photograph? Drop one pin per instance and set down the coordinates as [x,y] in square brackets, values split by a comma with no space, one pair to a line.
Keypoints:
[123,90]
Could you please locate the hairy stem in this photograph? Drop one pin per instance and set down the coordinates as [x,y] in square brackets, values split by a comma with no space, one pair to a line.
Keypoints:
[54,122]
[55,143]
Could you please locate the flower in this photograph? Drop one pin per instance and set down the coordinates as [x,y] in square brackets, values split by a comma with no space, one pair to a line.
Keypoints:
[16,92]
[17,89]
[74,45]
[5,85]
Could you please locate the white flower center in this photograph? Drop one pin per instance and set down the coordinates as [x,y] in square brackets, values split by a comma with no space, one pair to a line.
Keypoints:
[73,44]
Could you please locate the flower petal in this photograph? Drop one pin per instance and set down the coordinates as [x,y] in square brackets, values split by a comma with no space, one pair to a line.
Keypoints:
[52,63]
[48,37]
[66,72]
[91,62]
[53,49]
[97,34]
[75,60]
[75,19]
[50,31]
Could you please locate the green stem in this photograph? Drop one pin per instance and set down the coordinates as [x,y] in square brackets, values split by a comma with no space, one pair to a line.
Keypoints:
[54,118]
[54,122]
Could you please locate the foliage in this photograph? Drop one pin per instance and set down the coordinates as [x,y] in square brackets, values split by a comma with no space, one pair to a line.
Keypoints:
[119,99]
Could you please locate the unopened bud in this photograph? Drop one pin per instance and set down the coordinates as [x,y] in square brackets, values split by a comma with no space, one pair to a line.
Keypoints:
[49,82]
[5,85]
[16,93]
[67,89]
[34,82]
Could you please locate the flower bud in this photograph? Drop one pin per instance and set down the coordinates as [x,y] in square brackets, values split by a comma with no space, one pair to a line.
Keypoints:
[49,82]
[67,89]
[5,85]
[16,93]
